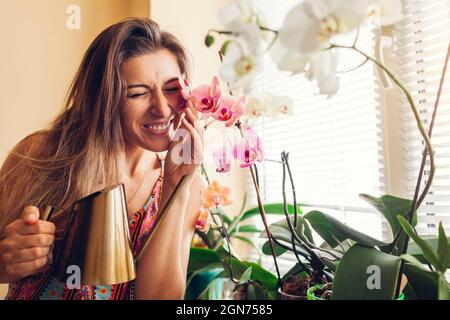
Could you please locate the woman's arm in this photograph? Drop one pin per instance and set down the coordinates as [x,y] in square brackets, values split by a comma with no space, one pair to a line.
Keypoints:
[161,273]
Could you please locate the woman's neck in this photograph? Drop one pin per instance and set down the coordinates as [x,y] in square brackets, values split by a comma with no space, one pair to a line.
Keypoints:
[138,160]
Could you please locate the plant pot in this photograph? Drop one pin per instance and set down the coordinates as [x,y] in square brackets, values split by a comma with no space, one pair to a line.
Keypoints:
[311,293]
[402,297]
[288,296]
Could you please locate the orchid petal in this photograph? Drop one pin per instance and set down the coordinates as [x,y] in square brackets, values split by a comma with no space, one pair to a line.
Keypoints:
[286,59]
[299,31]
[222,157]
[351,13]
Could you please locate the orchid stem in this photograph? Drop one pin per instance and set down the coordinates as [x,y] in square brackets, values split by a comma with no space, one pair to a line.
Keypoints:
[225,235]
[205,173]
[316,262]
[225,32]
[262,212]
[283,154]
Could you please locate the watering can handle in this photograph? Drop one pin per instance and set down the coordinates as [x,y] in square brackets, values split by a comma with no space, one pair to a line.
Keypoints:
[49,210]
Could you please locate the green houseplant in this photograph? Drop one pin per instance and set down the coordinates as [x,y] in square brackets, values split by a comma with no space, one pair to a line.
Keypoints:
[346,257]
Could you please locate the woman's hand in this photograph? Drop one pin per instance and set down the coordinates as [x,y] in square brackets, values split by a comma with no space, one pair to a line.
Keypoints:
[27,246]
[185,152]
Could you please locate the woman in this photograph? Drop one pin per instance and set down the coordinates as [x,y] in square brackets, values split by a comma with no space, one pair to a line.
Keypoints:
[123,108]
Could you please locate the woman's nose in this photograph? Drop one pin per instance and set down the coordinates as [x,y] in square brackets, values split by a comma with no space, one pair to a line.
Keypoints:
[159,106]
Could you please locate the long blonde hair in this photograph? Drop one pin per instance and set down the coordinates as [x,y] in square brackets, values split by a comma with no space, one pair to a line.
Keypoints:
[83,146]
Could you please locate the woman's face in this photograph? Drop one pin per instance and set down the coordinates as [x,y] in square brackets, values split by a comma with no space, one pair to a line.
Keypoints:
[152,95]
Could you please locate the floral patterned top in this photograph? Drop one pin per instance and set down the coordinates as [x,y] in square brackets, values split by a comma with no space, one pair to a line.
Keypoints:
[44,286]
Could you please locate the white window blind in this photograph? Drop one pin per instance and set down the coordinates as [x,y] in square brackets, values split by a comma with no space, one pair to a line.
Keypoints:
[421,42]
[335,146]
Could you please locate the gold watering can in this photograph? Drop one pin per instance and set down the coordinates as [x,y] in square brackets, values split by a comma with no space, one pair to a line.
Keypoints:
[97,236]
[96,239]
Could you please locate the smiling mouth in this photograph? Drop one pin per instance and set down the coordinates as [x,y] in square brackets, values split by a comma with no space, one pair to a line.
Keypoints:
[158,129]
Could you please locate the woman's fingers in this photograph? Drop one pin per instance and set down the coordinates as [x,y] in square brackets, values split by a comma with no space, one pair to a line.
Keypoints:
[177,121]
[24,269]
[40,226]
[196,143]
[25,255]
[193,118]
[31,241]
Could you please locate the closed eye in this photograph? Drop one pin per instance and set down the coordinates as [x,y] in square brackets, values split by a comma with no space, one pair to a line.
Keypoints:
[136,95]
[172,90]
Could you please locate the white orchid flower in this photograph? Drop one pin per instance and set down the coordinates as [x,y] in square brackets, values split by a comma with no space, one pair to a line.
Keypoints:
[243,58]
[279,105]
[255,108]
[385,12]
[286,59]
[309,26]
[322,67]
[267,105]
[239,13]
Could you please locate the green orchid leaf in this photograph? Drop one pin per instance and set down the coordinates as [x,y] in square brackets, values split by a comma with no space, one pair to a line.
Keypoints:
[443,248]
[245,276]
[226,219]
[412,260]
[422,284]
[427,250]
[416,251]
[210,292]
[444,288]
[280,230]
[200,282]
[203,259]
[390,207]
[271,208]
[365,273]
[248,229]
[256,292]
[279,250]
[333,231]
[264,277]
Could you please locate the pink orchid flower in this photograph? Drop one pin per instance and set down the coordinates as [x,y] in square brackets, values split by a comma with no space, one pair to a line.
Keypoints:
[205,97]
[230,109]
[222,157]
[248,149]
